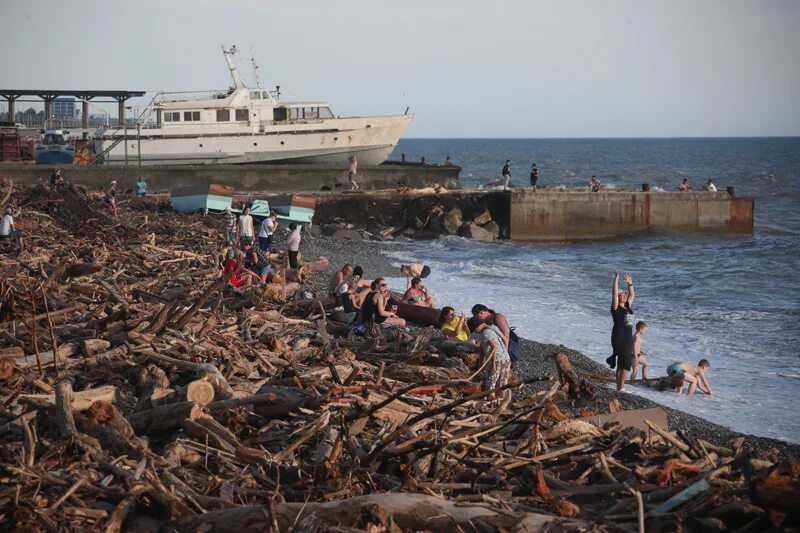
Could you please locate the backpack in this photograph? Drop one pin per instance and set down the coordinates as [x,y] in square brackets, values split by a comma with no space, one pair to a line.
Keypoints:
[515,351]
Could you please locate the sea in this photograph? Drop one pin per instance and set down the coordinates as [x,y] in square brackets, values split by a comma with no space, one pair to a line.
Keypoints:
[732,300]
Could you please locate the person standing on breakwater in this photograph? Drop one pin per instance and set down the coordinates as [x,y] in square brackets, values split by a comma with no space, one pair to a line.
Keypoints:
[352,170]
[695,375]
[506,173]
[595,184]
[622,332]
[293,244]
[684,185]
[229,220]
[709,186]
[639,355]
[268,228]
[246,229]
[534,176]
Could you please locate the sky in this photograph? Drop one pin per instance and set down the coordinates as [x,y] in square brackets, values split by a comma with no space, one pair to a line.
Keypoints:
[465,68]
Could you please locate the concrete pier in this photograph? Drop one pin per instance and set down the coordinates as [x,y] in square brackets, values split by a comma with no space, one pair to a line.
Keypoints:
[244,178]
[552,216]
[582,215]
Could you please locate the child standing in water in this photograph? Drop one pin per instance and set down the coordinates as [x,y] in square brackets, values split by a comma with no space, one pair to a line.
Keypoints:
[639,358]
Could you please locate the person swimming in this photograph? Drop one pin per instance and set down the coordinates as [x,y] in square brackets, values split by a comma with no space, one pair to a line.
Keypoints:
[696,376]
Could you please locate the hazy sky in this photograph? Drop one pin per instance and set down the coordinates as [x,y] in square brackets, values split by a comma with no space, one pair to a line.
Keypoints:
[465,68]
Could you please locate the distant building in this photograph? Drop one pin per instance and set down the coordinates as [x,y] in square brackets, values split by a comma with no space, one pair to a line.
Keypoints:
[64,108]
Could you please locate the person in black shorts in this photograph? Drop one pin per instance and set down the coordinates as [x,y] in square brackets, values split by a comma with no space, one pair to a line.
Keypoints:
[622,332]
[534,176]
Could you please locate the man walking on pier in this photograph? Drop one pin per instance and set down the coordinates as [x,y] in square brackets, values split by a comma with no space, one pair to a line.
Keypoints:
[534,176]
[506,174]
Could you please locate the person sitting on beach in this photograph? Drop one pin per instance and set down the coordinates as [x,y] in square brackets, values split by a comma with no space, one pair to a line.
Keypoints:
[376,306]
[496,362]
[695,375]
[418,294]
[257,261]
[709,186]
[454,327]
[639,355]
[9,231]
[235,273]
[684,185]
[415,270]
[595,184]
[339,277]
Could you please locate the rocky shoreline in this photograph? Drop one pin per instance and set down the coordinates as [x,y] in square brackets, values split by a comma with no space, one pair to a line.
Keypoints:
[371,255]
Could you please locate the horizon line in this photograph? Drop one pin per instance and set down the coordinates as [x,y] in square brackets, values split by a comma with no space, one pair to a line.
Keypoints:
[609,138]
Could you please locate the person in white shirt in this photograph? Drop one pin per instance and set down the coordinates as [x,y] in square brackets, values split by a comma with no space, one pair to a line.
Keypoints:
[268,227]
[293,244]
[246,229]
[8,230]
[710,187]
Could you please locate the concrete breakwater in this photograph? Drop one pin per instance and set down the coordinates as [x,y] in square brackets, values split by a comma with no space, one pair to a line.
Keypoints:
[244,178]
[544,216]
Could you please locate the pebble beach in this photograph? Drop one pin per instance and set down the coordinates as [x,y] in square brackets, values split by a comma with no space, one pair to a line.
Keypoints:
[371,255]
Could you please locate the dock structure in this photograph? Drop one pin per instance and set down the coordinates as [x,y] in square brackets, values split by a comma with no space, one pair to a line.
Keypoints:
[49,95]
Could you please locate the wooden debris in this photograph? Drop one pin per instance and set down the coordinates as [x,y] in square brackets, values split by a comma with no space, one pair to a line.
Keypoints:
[139,391]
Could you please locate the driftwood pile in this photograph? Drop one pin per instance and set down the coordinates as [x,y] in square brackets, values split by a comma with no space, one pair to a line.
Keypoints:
[139,393]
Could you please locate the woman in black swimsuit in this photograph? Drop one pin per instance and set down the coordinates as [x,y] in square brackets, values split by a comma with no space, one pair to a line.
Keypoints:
[622,332]
[375,306]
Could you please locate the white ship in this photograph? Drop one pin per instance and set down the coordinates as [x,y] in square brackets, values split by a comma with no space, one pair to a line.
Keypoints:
[249,125]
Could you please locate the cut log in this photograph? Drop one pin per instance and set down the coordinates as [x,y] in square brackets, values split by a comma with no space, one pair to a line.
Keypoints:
[407,511]
[417,373]
[287,399]
[574,387]
[81,401]
[95,346]
[164,418]
[200,392]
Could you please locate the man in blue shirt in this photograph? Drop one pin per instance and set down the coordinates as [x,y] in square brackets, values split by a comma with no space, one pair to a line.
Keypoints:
[141,186]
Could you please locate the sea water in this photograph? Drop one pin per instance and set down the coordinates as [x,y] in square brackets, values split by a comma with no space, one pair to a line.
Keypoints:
[732,300]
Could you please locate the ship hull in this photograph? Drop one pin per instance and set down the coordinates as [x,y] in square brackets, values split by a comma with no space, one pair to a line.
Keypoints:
[332,142]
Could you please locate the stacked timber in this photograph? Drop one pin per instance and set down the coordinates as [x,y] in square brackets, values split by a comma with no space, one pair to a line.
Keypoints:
[141,393]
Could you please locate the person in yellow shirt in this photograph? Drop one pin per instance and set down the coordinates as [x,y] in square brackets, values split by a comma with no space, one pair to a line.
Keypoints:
[453,326]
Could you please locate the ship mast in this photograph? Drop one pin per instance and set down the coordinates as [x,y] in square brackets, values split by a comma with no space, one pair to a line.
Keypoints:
[237,81]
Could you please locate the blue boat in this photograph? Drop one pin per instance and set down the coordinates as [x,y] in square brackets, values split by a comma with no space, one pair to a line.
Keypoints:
[53,149]
[294,208]
[196,198]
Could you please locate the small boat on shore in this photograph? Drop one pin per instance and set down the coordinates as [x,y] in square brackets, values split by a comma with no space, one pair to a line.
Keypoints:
[206,197]
[294,208]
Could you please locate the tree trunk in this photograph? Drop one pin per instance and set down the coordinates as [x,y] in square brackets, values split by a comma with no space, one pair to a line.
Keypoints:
[164,418]
[574,387]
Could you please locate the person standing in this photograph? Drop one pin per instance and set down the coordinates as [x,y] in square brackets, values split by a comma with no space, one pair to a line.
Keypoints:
[8,230]
[246,229]
[57,179]
[141,186]
[709,186]
[293,244]
[506,173]
[684,185]
[268,228]
[111,198]
[230,226]
[639,355]
[352,170]
[622,332]
[534,176]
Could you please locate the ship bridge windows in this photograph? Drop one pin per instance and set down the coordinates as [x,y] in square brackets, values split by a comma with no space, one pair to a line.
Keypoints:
[242,114]
[223,115]
[191,116]
[255,95]
[171,116]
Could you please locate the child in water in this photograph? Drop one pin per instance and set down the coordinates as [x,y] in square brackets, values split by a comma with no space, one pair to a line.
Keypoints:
[639,358]
[696,376]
